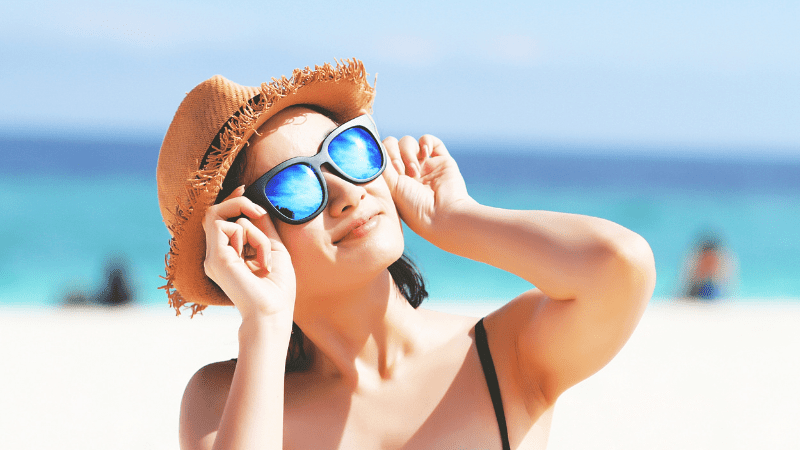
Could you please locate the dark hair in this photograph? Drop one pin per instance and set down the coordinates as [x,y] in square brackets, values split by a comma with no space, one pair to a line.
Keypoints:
[404,272]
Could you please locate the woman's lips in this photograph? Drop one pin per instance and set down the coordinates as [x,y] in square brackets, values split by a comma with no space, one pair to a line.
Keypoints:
[360,228]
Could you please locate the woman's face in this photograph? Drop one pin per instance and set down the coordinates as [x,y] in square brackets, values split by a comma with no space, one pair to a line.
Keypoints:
[355,238]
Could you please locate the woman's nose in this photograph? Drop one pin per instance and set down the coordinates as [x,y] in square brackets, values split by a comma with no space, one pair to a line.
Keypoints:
[342,194]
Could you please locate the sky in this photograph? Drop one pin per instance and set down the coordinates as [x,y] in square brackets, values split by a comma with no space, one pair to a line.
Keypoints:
[683,76]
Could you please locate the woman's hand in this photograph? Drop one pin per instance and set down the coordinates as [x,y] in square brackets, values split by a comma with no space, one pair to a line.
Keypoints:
[425,182]
[253,268]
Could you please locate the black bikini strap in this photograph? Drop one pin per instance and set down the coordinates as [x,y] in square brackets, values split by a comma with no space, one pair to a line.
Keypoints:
[489,373]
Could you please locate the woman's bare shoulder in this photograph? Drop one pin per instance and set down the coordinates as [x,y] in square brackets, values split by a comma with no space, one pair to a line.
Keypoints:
[445,325]
[213,377]
[203,402]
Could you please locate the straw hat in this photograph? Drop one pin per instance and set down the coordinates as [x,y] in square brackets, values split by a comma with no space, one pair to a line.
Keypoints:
[211,126]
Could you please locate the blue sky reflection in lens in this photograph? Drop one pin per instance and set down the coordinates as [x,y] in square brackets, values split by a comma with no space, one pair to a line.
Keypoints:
[356,153]
[295,191]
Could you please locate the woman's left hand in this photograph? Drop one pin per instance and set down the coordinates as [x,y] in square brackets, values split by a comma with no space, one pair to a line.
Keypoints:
[425,182]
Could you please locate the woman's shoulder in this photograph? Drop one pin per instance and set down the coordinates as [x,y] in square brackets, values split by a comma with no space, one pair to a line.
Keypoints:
[211,382]
[213,375]
[509,317]
[204,399]
[446,318]
[443,326]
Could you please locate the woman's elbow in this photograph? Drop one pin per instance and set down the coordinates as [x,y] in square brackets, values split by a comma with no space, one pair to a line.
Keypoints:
[635,269]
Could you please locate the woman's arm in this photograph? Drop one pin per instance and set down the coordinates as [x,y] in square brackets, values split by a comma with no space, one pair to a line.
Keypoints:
[238,404]
[249,262]
[594,277]
[253,415]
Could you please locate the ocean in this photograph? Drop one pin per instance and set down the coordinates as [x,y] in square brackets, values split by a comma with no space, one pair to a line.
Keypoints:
[72,208]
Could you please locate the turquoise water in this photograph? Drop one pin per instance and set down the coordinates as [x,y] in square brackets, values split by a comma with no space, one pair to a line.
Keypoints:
[57,233]
[58,227]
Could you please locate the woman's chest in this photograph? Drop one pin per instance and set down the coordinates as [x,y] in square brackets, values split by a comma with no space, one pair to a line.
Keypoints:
[442,402]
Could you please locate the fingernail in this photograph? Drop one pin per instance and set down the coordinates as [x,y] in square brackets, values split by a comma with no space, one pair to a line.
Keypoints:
[269,263]
[260,209]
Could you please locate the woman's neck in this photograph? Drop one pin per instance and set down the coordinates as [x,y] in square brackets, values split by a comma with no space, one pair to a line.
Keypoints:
[361,335]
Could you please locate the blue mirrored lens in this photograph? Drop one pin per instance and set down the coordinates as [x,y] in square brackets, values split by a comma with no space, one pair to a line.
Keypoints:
[357,153]
[295,191]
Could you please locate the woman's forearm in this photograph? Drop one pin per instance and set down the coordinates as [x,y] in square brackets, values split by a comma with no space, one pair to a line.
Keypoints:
[253,416]
[566,256]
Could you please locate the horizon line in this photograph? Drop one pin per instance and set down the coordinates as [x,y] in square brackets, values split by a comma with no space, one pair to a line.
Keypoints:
[467,143]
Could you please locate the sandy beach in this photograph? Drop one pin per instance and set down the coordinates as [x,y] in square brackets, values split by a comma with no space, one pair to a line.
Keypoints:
[721,376]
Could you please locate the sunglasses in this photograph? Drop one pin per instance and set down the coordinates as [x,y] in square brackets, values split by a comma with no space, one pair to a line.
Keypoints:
[295,191]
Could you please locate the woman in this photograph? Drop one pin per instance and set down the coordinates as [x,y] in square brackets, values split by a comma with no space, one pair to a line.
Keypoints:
[378,372]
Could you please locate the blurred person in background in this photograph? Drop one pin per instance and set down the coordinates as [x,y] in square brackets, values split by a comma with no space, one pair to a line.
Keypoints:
[115,289]
[708,272]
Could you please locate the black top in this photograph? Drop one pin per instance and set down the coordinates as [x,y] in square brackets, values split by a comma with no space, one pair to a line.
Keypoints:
[491,380]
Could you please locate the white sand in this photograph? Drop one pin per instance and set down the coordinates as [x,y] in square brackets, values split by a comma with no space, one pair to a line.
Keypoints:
[692,377]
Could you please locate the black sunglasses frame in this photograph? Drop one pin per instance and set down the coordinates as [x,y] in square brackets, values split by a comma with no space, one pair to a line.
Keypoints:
[255,192]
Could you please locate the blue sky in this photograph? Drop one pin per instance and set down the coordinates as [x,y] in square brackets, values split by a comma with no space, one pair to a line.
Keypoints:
[676,75]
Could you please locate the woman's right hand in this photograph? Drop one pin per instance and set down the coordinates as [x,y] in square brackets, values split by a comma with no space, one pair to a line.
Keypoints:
[247,259]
